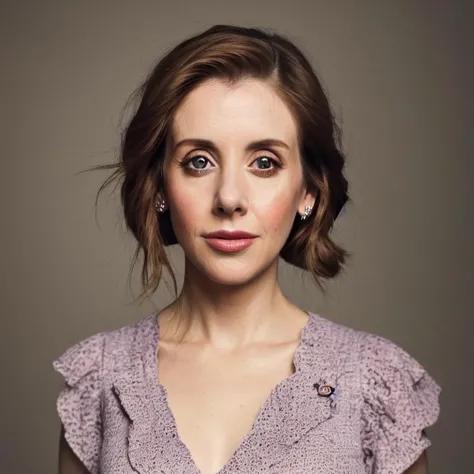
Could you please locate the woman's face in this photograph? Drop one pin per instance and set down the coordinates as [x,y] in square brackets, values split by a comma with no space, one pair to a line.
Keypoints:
[228,183]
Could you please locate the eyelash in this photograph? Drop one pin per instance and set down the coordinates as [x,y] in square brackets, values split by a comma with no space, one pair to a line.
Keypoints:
[265,172]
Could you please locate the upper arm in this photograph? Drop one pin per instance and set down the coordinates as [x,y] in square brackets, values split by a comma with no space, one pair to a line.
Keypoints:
[399,401]
[79,406]
[420,466]
[68,462]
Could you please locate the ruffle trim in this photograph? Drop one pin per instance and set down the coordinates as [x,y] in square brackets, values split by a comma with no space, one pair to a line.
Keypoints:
[79,402]
[400,400]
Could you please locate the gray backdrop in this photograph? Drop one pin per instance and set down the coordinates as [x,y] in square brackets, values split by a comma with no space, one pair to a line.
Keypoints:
[400,76]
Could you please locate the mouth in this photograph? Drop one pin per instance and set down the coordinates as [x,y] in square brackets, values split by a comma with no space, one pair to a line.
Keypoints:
[230,241]
[230,235]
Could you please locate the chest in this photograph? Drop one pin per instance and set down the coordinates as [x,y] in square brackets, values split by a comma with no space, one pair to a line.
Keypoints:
[215,398]
[209,413]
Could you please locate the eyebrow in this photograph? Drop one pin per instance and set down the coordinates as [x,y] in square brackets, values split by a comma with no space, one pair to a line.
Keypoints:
[202,143]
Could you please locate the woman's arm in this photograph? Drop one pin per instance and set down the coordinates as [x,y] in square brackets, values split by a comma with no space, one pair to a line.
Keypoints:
[68,461]
[420,466]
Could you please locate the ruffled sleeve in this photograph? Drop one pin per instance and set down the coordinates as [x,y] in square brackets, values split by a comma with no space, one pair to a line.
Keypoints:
[79,402]
[399,401]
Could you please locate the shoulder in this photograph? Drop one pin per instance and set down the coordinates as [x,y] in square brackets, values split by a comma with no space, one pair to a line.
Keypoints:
[85,366]
[124,344]
[372,353]
[105,351]
[399,399]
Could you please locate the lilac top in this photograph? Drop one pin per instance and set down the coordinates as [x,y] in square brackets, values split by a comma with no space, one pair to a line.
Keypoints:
[356,404]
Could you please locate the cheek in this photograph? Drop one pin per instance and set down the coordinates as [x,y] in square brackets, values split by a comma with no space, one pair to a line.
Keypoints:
[276,206]
[278,215]
[186,210]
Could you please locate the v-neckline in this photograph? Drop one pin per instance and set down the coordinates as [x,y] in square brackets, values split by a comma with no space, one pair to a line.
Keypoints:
[165,405]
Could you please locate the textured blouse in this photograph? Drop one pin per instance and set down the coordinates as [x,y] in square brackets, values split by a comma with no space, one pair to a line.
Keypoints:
[356,404]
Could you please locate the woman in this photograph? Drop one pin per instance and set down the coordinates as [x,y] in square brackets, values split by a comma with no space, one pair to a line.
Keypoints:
[233,154]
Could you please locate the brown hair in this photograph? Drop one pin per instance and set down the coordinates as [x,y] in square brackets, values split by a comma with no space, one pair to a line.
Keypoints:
[231,53]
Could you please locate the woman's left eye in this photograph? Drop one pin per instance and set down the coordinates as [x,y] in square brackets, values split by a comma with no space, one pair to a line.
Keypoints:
[268,163]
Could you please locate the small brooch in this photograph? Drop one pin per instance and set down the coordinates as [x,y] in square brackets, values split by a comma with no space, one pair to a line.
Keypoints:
[324,390]
[327,391]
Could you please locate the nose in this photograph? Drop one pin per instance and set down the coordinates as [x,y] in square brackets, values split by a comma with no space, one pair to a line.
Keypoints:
[231,193]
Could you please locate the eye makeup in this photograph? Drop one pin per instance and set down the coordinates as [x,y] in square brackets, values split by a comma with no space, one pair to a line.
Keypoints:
[275,165]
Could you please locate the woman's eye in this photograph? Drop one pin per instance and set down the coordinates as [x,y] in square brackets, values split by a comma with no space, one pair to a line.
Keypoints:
[267,162]
[198,162]
[269,167]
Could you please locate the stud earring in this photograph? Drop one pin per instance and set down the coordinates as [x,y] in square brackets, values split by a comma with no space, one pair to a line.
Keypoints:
[307,212]
[160,205]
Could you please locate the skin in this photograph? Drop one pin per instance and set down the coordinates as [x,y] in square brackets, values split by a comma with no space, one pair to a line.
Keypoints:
[238,325]
[68,462]
[233,191]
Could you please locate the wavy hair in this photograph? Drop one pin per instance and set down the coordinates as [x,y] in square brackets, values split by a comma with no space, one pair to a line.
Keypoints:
[231,53]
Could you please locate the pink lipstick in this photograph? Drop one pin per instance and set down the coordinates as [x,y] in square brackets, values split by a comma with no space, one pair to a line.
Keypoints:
[230,240]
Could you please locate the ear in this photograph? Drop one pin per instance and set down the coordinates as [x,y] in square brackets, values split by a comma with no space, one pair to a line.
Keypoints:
[160,199]
[308,198]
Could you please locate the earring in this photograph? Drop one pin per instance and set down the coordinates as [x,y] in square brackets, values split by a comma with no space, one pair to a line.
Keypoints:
[307,212]
[160,205]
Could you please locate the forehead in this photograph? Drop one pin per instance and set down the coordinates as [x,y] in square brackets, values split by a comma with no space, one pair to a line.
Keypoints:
[247,110]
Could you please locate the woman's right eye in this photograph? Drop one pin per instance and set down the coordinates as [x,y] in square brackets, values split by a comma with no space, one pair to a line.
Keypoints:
[195,165]
[198,162]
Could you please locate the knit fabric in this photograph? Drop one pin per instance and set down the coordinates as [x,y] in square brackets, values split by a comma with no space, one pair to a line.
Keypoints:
[356,404]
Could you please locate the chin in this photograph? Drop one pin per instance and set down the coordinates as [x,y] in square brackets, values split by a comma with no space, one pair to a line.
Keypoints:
[225,281]
[228,275]
[230,271]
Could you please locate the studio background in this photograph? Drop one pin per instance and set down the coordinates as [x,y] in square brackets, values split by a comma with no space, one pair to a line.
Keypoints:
[400,76]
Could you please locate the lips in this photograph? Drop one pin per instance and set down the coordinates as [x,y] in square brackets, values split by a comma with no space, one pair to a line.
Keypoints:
[230,235]
[230,240]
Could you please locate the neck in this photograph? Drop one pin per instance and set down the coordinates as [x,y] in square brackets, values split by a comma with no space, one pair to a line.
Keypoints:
[230,315]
